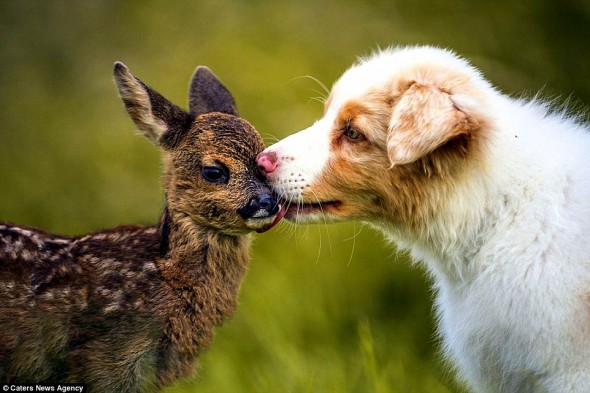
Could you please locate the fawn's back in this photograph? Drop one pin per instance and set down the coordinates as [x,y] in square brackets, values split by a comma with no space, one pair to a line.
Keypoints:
[65,300]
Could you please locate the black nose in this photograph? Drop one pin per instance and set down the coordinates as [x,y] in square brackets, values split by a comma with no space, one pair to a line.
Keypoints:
[260,206]
[268,203]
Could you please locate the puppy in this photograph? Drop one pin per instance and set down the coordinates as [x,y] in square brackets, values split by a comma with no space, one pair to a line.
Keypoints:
[491,193]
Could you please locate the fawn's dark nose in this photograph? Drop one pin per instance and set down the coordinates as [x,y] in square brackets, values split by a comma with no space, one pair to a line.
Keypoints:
[268,203]
[263,205]
[267,162]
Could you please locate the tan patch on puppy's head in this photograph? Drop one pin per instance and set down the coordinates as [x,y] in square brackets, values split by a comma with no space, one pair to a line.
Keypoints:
[396,151]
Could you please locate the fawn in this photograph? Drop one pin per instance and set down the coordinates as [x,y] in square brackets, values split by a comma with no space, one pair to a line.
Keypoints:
[128,309]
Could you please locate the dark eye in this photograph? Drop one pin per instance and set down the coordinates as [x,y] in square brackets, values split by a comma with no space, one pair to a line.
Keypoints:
[214,174]
[353,134]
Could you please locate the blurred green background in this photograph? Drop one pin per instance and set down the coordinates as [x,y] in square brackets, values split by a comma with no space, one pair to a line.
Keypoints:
[323,308]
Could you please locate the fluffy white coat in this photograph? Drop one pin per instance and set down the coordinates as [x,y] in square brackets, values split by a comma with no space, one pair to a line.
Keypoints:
[501,222]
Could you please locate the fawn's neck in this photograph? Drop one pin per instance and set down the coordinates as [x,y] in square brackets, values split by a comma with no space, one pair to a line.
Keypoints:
[205,265]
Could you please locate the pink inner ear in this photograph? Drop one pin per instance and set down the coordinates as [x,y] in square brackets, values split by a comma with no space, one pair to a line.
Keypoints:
[423,119]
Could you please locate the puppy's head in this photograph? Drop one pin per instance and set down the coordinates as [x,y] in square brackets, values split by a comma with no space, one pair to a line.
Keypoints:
[397,130]
[211,176]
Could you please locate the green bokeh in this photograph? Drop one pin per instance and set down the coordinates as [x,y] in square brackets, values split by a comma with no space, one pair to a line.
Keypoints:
[324,308]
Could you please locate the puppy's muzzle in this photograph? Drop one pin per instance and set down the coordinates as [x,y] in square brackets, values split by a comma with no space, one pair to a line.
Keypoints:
[261,206]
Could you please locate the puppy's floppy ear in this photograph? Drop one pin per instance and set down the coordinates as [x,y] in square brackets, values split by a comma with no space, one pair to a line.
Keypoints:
[424,118]
[158,119]
[207,94]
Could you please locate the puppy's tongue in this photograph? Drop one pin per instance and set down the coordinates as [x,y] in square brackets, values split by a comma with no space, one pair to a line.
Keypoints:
[278,218]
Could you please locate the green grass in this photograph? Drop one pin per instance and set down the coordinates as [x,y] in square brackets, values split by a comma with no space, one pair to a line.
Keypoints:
[318,314]
[323,308]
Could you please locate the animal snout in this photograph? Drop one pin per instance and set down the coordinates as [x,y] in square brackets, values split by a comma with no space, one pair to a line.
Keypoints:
[267,202]
[263,205]
[267,162]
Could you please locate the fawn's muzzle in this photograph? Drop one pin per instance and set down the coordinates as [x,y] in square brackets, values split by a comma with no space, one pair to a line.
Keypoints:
[261,206]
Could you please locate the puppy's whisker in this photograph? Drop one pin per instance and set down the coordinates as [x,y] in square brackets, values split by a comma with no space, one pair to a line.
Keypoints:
[270,137]
[321,94]
[320,83]
[317,261]
[321,100]
[353,238]
[325,223]
[316,80]
[289,229]
[297,213]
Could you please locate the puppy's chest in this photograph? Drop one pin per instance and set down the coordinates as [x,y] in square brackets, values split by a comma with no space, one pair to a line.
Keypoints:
[482,335]
[498,327]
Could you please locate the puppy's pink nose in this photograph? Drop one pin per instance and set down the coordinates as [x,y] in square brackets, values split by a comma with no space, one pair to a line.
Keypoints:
[267,162]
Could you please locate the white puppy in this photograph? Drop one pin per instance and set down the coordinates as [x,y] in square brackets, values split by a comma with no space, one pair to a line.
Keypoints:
[490,192]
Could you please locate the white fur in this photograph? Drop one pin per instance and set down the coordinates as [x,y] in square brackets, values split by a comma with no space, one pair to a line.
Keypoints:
[509,247]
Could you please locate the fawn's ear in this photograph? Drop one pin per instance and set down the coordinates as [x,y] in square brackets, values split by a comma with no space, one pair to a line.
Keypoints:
[207,94]
[156,117]
[424,118]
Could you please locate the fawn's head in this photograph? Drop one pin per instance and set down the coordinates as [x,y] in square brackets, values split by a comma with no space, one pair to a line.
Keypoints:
[211,176]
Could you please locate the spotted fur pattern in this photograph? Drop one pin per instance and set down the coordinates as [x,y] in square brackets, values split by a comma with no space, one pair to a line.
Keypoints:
[129,308]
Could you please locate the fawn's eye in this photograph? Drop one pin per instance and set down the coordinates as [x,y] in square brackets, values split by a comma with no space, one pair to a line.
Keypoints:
[215,174]
[353,134]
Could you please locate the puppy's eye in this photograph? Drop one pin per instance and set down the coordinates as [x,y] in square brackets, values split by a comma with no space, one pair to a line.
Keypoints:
[214,174]
[353,134]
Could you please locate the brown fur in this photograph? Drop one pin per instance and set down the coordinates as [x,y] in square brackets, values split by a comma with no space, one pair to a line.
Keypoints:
[128,309]
[411,127]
